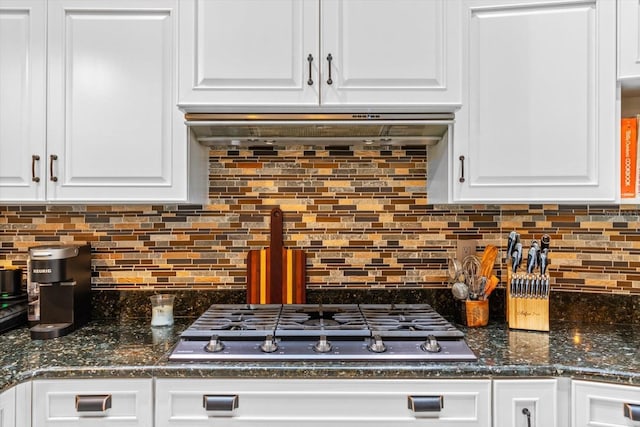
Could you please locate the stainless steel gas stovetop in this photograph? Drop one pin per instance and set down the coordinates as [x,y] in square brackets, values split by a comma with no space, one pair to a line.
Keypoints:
[337,332]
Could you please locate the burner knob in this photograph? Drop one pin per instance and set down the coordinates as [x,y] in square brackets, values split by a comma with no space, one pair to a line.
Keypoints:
[377,346]
[269,345]
[322,346]
[430,345]
[214,345]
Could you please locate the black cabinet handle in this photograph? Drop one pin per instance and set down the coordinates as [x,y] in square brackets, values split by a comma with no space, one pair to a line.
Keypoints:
[220,402]
[527,414]
[310,59]
[329,59]
[632,411]
[93,402]
[52,158]
[425,403]
[34,159]
[461,179]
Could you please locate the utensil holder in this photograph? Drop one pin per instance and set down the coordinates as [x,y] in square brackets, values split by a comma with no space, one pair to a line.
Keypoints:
[477,312]
[528,301]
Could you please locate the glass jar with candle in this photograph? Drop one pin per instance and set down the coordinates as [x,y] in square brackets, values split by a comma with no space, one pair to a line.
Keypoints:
[162,309]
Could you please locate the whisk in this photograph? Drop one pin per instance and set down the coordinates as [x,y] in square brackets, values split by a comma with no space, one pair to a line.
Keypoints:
[471,268]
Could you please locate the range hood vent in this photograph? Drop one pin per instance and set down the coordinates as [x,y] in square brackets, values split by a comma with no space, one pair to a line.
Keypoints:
[376,129]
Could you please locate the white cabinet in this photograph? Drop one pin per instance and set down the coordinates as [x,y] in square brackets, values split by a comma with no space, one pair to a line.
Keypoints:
[274,53]
[23,404]
[8,408]
[518,402]
[327,402]
[22,99]
[397,53]
[538,122]
[599,404]
[243,52]
[629,63]
[113,131]
[93,402]
[628,39]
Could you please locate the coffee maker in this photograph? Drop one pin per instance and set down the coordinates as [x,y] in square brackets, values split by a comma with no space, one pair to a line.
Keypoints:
[58,289]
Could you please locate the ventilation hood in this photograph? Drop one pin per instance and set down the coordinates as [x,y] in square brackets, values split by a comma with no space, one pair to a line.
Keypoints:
[386,129]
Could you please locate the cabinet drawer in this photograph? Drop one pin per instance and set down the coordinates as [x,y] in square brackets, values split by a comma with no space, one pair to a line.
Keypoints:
[127,402]
[179,402]
[598,404]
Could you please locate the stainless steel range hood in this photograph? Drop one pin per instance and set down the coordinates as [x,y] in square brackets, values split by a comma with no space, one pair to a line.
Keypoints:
[377,129]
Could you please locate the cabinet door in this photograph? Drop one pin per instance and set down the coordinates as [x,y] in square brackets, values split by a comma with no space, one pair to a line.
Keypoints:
[248,52]
[23,404]
[539,121]
[628,39]
[114,131]
[515,402]
[598,404]
[320,403]
[93,402]
[22,99]
[402,53]
[8,408]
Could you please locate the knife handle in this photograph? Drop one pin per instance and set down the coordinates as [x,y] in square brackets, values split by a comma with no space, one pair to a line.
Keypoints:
[544,261]
[517,257]
[511,242]
[532,259]
[544,242]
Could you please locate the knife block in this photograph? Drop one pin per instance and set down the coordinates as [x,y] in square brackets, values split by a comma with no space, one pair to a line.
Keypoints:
[526,312]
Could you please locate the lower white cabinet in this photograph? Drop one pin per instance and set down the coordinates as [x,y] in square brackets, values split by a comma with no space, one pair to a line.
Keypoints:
[610,405]
[325,402]
[93,402]
[23,404]
[8,407]
[182,402]
[530,403]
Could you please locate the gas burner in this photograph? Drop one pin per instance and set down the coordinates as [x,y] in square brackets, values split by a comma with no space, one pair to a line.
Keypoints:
[319,323]
[339,332]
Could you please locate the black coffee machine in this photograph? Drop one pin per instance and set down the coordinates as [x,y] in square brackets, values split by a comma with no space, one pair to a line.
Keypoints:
[58,289]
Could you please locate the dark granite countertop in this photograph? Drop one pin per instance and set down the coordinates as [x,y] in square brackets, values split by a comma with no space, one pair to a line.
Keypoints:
[105,349]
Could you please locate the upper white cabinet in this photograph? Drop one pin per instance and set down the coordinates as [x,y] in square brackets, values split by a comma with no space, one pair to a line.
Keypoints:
[112,121]
[276,54]
[628,39]
[113,131]
[22,98]
[402,53]
[538,122]
[243,52]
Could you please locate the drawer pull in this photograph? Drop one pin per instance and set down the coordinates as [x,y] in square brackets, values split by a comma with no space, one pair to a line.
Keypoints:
[220,402]
[34,159]
[426,403]
[461,179]
[52,176]
[93,402]
[632,411]
[310,60]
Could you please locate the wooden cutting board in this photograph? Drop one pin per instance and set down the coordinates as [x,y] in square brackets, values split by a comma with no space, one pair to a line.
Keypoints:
[276,275]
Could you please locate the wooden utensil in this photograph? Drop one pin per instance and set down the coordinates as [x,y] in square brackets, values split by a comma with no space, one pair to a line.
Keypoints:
[491,285]
[276,275]
[488,260]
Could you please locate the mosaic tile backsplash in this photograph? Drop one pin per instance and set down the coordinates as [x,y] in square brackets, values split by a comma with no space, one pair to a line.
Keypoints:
[362,216]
